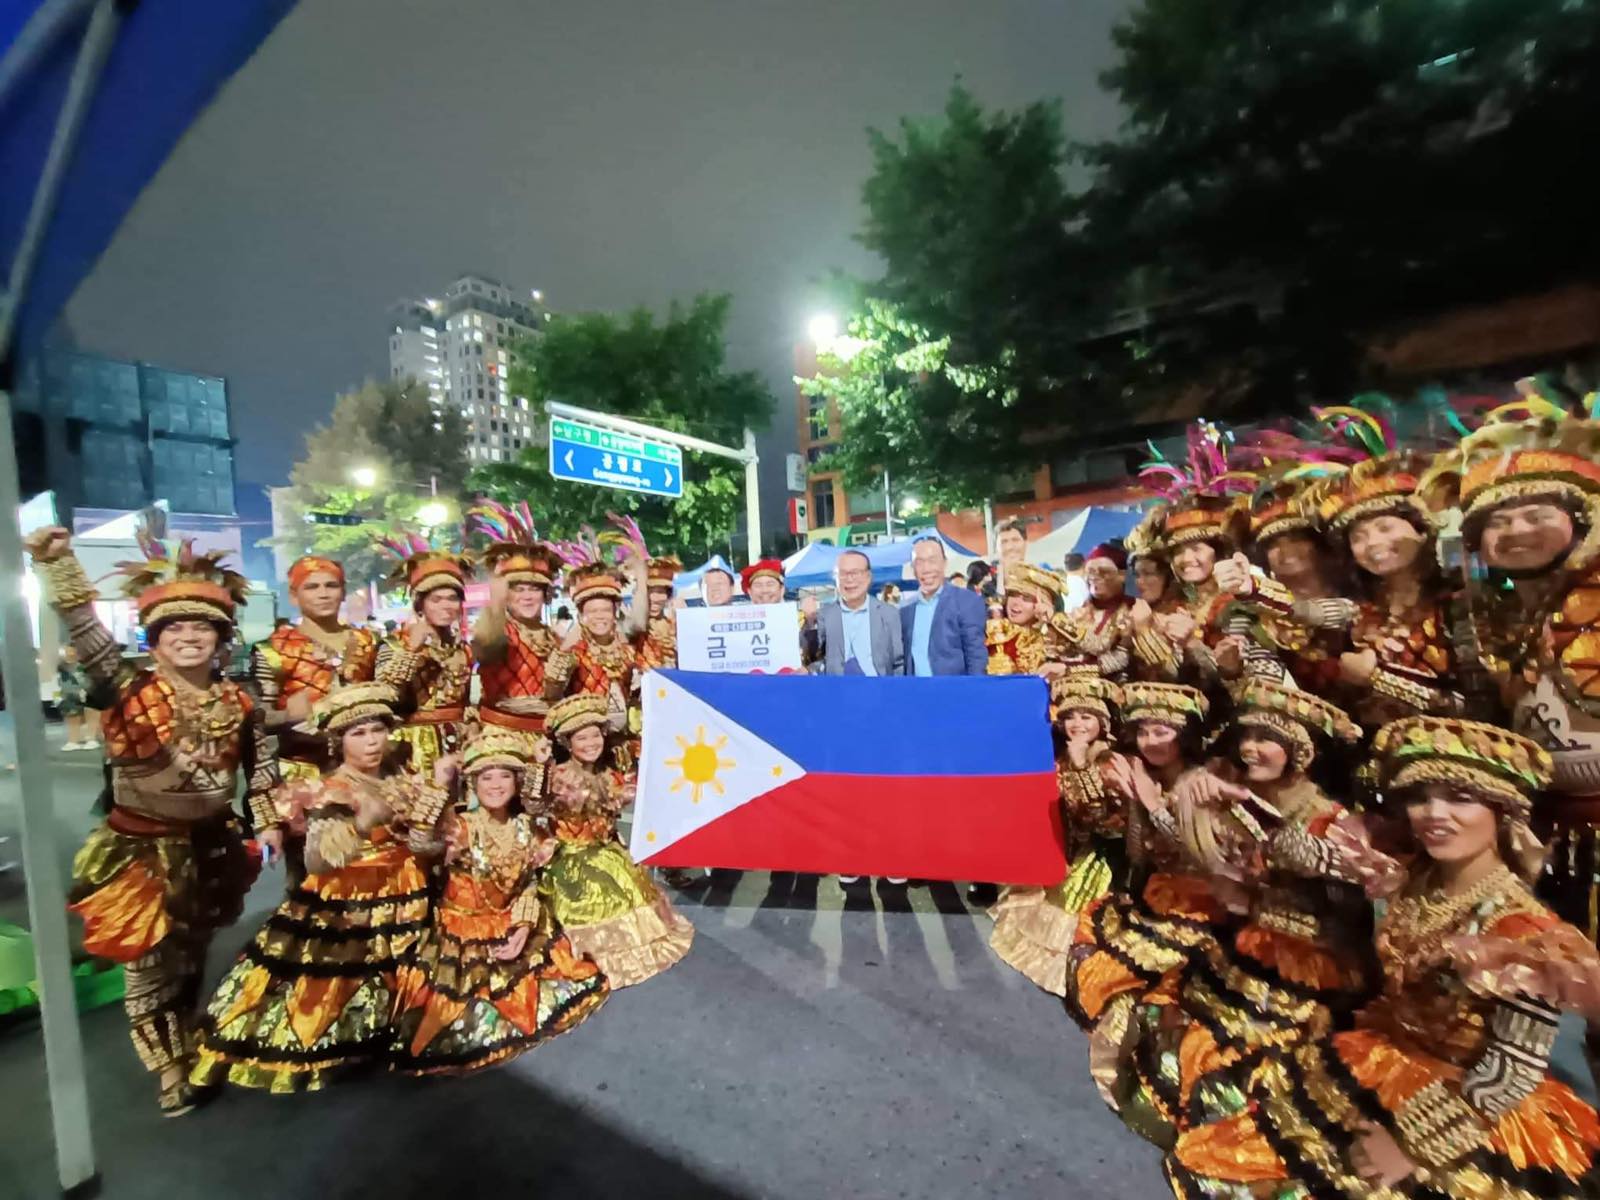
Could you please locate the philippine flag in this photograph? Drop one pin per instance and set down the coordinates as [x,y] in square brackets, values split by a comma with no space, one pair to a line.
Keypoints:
[944,778]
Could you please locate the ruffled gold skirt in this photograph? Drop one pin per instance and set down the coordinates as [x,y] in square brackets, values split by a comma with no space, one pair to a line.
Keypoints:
[1034,928]
[462,1009]
[313,995]
[136,880]
[612,912]
[1309,1108]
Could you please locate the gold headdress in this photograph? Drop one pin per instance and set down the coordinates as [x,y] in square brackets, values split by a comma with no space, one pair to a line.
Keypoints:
[1086,689]
[1529,451]
[1502,767]
[1171,703]
[493,746]
[351,704]
[662,570]
[568,716]
[1382,479]
[423,567]
[1203,496]
[1295,715]
[173,581]
[1042,586]
[515,552]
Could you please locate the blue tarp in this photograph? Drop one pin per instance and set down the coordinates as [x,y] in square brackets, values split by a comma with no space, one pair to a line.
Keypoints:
[168,61]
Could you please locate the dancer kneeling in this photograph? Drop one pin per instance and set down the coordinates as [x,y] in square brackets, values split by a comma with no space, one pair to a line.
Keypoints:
[313,995]
[603,900]
[1442,1088]
[1034,927]
[495,975]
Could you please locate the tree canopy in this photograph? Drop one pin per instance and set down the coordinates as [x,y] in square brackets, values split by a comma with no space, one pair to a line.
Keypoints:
[670,373]
[393,430]
[1292,176]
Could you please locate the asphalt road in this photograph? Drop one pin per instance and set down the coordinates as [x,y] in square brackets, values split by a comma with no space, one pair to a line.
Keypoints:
[810,1046]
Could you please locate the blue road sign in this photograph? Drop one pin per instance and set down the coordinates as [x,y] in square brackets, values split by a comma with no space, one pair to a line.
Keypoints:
[589,454]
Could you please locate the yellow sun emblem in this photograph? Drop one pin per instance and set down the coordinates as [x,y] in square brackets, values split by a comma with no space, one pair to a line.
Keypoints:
[699,764]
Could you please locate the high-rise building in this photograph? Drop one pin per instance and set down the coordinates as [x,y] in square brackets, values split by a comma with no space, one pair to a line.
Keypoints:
[462,345]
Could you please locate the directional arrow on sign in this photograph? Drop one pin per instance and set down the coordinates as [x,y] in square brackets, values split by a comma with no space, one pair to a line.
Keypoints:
[569,460]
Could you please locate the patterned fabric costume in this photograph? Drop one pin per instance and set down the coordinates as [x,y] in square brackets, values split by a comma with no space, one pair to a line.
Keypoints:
[656,646]
[1034,927]
[1099,632]
[591,668]
[1537,635]
[169,865]
[433,682]
[294,660]
[1016,649]
[604,901]
[1451,1058]
[1299,963]
[462,1006]
[511,652]
[313,995]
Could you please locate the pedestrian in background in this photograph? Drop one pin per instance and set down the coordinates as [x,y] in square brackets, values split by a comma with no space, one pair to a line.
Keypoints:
[1077,592]
[72,692]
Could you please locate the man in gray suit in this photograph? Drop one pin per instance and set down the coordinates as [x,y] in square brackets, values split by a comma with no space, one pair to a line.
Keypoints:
[857,634]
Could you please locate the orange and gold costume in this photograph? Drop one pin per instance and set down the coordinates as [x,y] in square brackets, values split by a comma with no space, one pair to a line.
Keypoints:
[169,865]
[1035,928]
[461,1007]
[511,675]
[1016,649]
[294,661]
[313,995]
[604,901]
[434,684]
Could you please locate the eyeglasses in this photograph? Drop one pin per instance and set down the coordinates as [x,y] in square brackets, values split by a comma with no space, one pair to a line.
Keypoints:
[853,572]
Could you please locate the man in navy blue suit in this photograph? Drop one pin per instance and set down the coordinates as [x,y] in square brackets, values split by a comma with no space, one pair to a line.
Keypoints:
[942,625]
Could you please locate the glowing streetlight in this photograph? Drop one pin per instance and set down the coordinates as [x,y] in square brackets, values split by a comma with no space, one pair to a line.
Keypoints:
[433,514]
[824,329]
[365,476]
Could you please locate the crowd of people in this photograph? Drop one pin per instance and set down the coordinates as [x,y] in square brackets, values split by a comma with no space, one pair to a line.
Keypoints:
[1331,808]
[1328,727]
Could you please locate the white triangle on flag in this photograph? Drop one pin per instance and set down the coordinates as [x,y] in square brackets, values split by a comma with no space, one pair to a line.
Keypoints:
[697,765]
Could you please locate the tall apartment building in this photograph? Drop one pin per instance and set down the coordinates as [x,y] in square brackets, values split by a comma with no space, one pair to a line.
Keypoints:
[462,346]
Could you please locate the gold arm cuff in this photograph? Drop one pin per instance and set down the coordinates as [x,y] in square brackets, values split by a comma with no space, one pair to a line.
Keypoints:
[1270,594]
[1436,1126]
[65,584]
[1407,691]
[425,810]
[263,814]
[399,667]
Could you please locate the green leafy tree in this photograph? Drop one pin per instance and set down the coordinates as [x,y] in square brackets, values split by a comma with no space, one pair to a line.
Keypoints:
[1330,168]
[670,373]
[412,449]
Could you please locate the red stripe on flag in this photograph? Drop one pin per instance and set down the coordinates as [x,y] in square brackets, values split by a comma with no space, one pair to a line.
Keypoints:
[995,829]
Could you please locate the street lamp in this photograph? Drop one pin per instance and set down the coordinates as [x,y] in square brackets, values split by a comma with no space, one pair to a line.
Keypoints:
[366,477]
[433,514]
[824,329]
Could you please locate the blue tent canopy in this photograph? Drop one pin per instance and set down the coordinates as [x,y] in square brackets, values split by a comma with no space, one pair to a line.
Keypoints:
[164,62]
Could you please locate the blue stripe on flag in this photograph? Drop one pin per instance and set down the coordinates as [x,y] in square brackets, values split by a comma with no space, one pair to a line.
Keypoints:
[858,725]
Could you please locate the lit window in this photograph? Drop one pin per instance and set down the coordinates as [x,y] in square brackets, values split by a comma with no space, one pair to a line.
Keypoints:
[477,336]
[477,320]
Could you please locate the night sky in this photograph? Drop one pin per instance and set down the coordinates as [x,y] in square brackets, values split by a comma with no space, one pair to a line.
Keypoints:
[612,153]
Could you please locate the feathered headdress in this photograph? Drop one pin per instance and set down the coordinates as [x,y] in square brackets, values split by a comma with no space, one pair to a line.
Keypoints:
[515,553]
[1533,449]
[424,567]
[1202,495]
[1377,475]
[171,580]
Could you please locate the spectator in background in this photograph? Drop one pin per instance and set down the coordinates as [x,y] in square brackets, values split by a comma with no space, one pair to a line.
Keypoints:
[980,577]
[891,595]
[957,579]
[72,695]
[716,587]
[942,626]
[1077,592]
[1011,541]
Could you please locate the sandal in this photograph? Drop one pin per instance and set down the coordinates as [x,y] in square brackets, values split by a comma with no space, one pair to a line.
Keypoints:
[178,1098]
